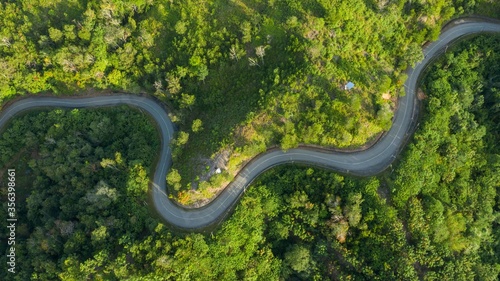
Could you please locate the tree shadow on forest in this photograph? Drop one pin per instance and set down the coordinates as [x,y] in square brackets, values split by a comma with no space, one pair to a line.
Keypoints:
[55,16]
[234,89]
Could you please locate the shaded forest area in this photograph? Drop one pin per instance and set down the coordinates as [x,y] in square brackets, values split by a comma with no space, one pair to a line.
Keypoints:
[241,75]
[82,182]
[434,216]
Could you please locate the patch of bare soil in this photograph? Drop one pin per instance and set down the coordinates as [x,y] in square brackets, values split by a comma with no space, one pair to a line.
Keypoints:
[209,166]
[421,95]
[312,34]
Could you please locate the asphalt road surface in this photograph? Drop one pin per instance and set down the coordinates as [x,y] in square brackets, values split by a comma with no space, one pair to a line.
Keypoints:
[364,163]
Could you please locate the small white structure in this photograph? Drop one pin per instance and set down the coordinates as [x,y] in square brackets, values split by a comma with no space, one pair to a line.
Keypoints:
[218,171]
[349,86]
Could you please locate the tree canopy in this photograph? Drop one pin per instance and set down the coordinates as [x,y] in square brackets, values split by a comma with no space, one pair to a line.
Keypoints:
[239,77]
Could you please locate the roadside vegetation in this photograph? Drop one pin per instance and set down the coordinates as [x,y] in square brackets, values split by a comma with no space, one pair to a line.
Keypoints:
[433,216]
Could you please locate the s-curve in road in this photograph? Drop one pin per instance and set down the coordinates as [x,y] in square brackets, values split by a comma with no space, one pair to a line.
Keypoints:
[366,162]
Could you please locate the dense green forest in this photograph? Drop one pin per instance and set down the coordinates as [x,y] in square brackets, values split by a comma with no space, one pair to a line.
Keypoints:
[432,216]
[239,75]
[82,181]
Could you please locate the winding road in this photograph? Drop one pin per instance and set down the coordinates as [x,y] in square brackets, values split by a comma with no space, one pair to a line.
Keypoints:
[366,162]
